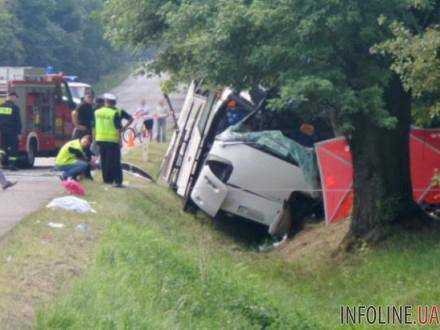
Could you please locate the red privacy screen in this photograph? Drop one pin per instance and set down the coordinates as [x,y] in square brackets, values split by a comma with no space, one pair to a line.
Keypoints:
[335,165]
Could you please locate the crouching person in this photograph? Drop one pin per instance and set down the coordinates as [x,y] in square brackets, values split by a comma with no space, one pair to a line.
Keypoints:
[74,159]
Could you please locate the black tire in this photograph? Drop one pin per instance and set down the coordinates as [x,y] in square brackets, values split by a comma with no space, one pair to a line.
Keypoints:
[29,159]
[301,208]
[284,225]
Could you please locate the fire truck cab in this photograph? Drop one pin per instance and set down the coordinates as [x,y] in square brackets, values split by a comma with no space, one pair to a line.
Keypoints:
[46,103]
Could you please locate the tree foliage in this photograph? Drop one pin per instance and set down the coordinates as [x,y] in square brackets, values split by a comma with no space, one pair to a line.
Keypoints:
[64,34]
[317,51]
[416,60]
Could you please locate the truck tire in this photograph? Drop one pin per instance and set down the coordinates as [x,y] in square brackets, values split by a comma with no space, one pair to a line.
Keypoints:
[29,159]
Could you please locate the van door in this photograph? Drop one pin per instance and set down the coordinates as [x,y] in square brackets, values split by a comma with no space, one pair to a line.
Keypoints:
[170,159]
[190,146]
[209,192]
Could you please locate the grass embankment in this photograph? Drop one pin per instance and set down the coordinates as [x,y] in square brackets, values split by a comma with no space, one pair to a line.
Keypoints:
[148,157]
[38,262]
[158,267]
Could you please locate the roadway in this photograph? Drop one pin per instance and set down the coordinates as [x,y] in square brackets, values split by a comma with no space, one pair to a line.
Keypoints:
[35,188]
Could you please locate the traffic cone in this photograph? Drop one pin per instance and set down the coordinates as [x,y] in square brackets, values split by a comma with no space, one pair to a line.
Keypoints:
[130,142]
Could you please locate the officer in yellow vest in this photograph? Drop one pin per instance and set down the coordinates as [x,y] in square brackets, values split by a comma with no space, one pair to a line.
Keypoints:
[108,129]
[10,128]
[72,159]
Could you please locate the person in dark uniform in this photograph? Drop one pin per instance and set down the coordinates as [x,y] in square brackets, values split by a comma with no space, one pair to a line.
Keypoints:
[108,128]
[99,103]
[83,118]
[10,128]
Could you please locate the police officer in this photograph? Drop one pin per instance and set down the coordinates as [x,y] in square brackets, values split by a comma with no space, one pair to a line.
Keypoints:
[10,128]
[83,118]
[74,159]
[108,129]
[99,103]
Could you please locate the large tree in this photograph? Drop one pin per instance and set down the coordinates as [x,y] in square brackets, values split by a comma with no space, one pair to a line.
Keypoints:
[318,52]
[12,48]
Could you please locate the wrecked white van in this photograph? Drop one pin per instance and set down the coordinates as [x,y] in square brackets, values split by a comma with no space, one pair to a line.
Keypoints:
[254,169]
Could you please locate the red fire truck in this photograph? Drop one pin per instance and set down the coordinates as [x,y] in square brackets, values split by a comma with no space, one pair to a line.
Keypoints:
[46,104]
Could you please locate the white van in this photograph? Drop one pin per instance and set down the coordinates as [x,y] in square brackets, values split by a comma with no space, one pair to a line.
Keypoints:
[79,90]
[252,170]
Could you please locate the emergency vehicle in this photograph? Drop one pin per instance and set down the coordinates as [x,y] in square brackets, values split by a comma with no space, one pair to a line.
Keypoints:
[45,103]
[79,90]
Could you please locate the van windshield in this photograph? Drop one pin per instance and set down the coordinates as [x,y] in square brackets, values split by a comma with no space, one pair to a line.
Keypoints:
[78,92]
[290,125]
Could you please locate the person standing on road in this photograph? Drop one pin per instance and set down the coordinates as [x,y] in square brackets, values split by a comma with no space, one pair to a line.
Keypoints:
[10,129]
[74,159]
[108,127]
[83,118]
[146,115]
[161,115]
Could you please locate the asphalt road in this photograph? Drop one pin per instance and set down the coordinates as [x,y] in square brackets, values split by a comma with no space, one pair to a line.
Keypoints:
[131,92]
[35,188]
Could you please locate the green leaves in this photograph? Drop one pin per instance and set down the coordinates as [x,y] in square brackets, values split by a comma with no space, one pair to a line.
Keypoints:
[416,60]
[63,34]
[318,52]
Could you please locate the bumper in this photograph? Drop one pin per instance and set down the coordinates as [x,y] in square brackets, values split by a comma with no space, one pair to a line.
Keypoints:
[251,206]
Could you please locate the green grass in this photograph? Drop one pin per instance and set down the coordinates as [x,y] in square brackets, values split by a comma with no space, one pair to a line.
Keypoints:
[149,158]
[160,268]
[38,262]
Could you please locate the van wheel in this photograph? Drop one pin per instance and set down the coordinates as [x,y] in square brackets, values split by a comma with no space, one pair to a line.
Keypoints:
[29,160]
[301,208]
[284,224]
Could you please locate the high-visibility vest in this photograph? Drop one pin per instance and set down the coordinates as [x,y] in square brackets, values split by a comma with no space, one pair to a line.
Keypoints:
[6,111]
[65,157]
[105,129]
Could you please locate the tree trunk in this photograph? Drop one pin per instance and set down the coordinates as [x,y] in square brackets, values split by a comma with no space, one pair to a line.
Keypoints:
[382,179]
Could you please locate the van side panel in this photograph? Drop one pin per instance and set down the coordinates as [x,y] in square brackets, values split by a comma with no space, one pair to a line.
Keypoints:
[260,172]
[258,186]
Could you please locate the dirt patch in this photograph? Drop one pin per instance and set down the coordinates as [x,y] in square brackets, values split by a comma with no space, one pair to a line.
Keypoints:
[317,239]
